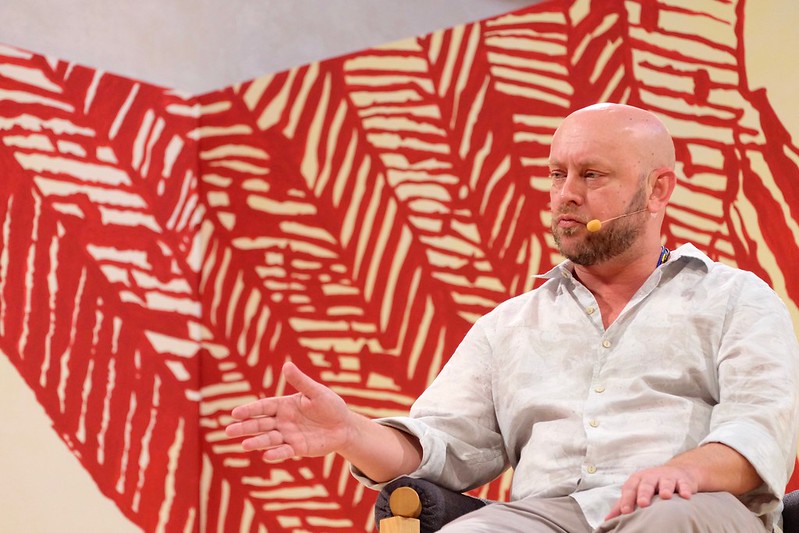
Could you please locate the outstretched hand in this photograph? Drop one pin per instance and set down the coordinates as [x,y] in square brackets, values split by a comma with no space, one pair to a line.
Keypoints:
[314,421]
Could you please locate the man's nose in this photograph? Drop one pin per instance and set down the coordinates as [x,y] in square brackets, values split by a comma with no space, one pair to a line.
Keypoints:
[570,190]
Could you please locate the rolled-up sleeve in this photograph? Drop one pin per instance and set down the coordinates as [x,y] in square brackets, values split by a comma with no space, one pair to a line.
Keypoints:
[455,421]
[758,374]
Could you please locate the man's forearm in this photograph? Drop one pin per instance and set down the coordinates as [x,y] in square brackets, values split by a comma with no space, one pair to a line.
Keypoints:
[718,468]
[382,453]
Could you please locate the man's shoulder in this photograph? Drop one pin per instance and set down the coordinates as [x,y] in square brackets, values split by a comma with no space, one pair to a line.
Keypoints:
[719,273]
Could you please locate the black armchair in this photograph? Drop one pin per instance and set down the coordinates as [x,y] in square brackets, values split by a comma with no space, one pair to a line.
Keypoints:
[440,506]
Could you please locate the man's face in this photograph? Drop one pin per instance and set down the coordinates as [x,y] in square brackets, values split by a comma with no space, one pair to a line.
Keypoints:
[595,174]
[586,248]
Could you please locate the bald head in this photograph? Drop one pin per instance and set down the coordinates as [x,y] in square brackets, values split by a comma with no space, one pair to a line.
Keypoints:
[636,131]
[609,161]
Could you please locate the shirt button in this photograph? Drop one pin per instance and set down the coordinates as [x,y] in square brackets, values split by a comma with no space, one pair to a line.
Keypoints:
[593,423]
[590,310]
[599,389]
[591,469]
[606,343]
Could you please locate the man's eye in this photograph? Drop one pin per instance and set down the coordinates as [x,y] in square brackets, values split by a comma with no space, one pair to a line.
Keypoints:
[555,175]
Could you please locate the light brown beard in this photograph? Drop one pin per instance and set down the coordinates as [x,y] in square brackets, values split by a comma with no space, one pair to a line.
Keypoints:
[610,241]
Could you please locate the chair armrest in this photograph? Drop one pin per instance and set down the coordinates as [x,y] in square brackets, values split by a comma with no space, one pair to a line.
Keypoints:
[439,505]
[790,512]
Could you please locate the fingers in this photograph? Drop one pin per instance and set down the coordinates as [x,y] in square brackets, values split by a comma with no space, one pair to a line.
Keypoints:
[685,490]
[646,489]
[615,511]
[264,436]
[278,453]
[263,441]
[300,381]
[272,442]
[636,492]
[630,494]
[643,497]
[263,407]
[252,426]
[264,420]
[639,490]
[666,488]
[268,406]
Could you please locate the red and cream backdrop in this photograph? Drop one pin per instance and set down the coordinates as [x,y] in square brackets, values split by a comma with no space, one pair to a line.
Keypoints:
[163,254]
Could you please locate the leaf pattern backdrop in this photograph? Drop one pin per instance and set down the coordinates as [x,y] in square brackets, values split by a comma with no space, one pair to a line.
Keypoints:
[163,254]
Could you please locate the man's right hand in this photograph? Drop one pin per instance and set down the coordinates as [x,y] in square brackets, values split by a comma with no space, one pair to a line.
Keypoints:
[313,422]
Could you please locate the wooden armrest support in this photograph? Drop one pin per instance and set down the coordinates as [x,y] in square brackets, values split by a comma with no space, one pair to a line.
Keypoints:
[439,505]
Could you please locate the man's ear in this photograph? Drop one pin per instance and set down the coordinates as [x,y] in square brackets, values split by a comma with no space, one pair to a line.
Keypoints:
[661,184]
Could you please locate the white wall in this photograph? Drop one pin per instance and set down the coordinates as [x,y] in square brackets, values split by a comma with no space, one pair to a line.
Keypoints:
[37,470]
[203,45]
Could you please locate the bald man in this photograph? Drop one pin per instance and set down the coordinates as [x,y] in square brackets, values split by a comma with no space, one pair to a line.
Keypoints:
[637,389]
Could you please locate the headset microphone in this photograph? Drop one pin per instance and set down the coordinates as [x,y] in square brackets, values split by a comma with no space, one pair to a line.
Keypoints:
[595,225]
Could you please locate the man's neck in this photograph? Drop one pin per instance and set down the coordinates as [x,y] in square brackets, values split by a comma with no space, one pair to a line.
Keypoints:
[624,273]
[614,282]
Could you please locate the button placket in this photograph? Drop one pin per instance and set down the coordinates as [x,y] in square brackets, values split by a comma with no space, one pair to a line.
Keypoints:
[595,406]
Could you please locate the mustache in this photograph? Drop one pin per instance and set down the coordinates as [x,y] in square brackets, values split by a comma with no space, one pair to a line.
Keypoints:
[570,211]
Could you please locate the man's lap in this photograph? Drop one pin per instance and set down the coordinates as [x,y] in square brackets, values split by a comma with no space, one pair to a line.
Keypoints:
[703,513]
[561,515]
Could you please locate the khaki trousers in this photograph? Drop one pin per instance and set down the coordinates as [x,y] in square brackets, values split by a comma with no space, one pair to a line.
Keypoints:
[706,512]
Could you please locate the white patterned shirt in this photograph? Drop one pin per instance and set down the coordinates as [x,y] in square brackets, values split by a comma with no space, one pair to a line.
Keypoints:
[701,353]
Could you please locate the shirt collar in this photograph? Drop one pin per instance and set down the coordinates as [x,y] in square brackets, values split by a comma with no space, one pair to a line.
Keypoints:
[687,251]
[563,270]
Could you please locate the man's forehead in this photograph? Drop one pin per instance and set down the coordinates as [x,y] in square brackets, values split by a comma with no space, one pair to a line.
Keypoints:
[580,158]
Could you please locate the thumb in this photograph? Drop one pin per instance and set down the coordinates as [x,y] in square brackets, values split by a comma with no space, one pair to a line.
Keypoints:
[300,381]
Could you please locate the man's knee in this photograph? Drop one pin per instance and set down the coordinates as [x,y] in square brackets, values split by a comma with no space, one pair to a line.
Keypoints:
[704,512]
[676,512]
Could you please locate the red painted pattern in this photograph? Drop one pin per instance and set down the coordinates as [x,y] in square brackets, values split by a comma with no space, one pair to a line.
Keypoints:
[162,255]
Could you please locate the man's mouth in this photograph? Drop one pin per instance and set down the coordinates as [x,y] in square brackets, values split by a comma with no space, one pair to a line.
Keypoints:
[569,221]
